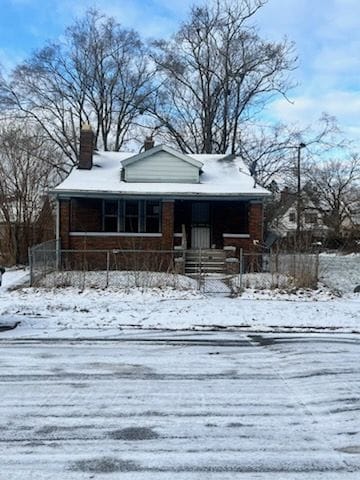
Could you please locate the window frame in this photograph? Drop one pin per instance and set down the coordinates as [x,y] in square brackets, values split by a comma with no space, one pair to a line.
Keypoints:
[311,218]
[142,216]
[107,215]
[292,217]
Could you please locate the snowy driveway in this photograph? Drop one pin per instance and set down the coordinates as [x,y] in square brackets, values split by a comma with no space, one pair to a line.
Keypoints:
[204,406]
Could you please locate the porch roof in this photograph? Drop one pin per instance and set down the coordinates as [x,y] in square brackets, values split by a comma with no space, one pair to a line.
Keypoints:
[222,176]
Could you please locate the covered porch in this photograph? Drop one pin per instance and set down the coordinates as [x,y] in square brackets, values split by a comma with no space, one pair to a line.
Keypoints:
[215,224]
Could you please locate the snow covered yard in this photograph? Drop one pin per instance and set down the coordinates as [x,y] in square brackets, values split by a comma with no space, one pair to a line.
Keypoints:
[73,313]
[211,406]
[340,272]
[173,302]
[133,383]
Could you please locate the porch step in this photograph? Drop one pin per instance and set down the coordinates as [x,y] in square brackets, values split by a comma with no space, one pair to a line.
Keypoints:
[208,261]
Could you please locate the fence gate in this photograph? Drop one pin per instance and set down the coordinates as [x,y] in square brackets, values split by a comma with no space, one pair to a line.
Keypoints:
[219,284]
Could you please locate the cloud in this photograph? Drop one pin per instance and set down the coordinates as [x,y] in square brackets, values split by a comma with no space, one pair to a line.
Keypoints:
[152,18]
[305,110]
[326,33]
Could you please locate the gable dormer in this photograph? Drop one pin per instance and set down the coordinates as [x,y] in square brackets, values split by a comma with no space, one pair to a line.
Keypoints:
[161,164]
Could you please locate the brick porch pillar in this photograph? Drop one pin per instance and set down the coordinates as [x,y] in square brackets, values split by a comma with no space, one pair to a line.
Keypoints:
[256,229]
[64,223]
[167,225]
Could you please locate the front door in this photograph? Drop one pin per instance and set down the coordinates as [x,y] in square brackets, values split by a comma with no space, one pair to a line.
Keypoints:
[200,225]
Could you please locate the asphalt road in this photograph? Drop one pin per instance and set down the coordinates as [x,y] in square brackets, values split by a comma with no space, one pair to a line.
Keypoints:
[181,406]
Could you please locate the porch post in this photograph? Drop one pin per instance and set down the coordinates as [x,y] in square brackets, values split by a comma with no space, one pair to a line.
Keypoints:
[256,221]
[64,223]
[168,224]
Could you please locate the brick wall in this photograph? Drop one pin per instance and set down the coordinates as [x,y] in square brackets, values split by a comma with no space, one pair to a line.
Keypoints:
[256,221]
[74,216]
[65,214]
[115,243]
[255,230]
[167,225]
[90,218]
[86,215]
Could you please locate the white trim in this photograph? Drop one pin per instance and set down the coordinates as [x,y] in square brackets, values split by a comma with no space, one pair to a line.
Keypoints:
[178,235]
[113,234]
[160,194]
[236,235]
[161,148]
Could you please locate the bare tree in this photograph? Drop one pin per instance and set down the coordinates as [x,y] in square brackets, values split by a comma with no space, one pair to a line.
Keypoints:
[216,74]
[99,73]
[336,185]
[26,172]
[270,151]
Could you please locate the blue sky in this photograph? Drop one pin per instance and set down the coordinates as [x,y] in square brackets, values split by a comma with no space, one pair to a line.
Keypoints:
[326,33]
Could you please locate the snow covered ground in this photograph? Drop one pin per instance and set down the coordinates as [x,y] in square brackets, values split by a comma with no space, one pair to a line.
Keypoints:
[212,406]
[163,383]
[13,277]
[340,272]
[74,312]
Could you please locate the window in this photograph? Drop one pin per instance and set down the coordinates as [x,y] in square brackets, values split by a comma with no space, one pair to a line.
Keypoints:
[111,216]
[292,217]
[132,216]
[311,218]
[152,216]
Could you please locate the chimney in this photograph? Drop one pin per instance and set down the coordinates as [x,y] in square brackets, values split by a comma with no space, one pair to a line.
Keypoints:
[284,195]
[148,143]
[86,147]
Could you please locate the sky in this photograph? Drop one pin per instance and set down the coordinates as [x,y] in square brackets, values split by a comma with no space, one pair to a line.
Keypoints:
[326,35]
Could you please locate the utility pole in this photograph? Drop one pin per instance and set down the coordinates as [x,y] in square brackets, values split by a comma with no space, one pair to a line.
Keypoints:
[298,196]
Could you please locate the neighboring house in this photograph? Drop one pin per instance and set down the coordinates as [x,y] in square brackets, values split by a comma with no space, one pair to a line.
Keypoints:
[22,226]
[312,222]
[351,223]
[159,199]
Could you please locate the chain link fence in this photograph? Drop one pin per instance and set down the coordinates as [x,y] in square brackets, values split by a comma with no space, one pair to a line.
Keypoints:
[43,260]
[52,267]
[278,270]
[263,271]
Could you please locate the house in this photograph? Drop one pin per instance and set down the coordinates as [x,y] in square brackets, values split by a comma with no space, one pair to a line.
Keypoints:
[312,221]
[159,199]
[23,223]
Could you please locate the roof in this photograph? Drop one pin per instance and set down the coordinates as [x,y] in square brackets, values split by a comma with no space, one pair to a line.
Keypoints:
[162,148]
[221,175]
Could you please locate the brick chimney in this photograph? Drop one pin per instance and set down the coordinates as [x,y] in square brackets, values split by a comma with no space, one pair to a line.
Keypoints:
[148,143]
[86,147]
[284,195]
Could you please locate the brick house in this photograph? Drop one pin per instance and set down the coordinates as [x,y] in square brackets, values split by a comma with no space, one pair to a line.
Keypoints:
[159,199]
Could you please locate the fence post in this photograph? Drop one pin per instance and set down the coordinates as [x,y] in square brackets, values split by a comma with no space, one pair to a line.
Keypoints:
[200,265]
[317,261]
[30,267]
[58,253]
[107,268]
[240,268]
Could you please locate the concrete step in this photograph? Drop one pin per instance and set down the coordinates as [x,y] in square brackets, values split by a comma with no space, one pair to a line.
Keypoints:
[204,270]
[207,261]
[205,255]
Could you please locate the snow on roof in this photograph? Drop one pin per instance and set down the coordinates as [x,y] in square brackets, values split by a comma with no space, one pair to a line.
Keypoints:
[162,148]
[221,175]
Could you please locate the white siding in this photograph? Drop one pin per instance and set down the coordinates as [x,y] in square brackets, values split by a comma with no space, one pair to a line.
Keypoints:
[162,168]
